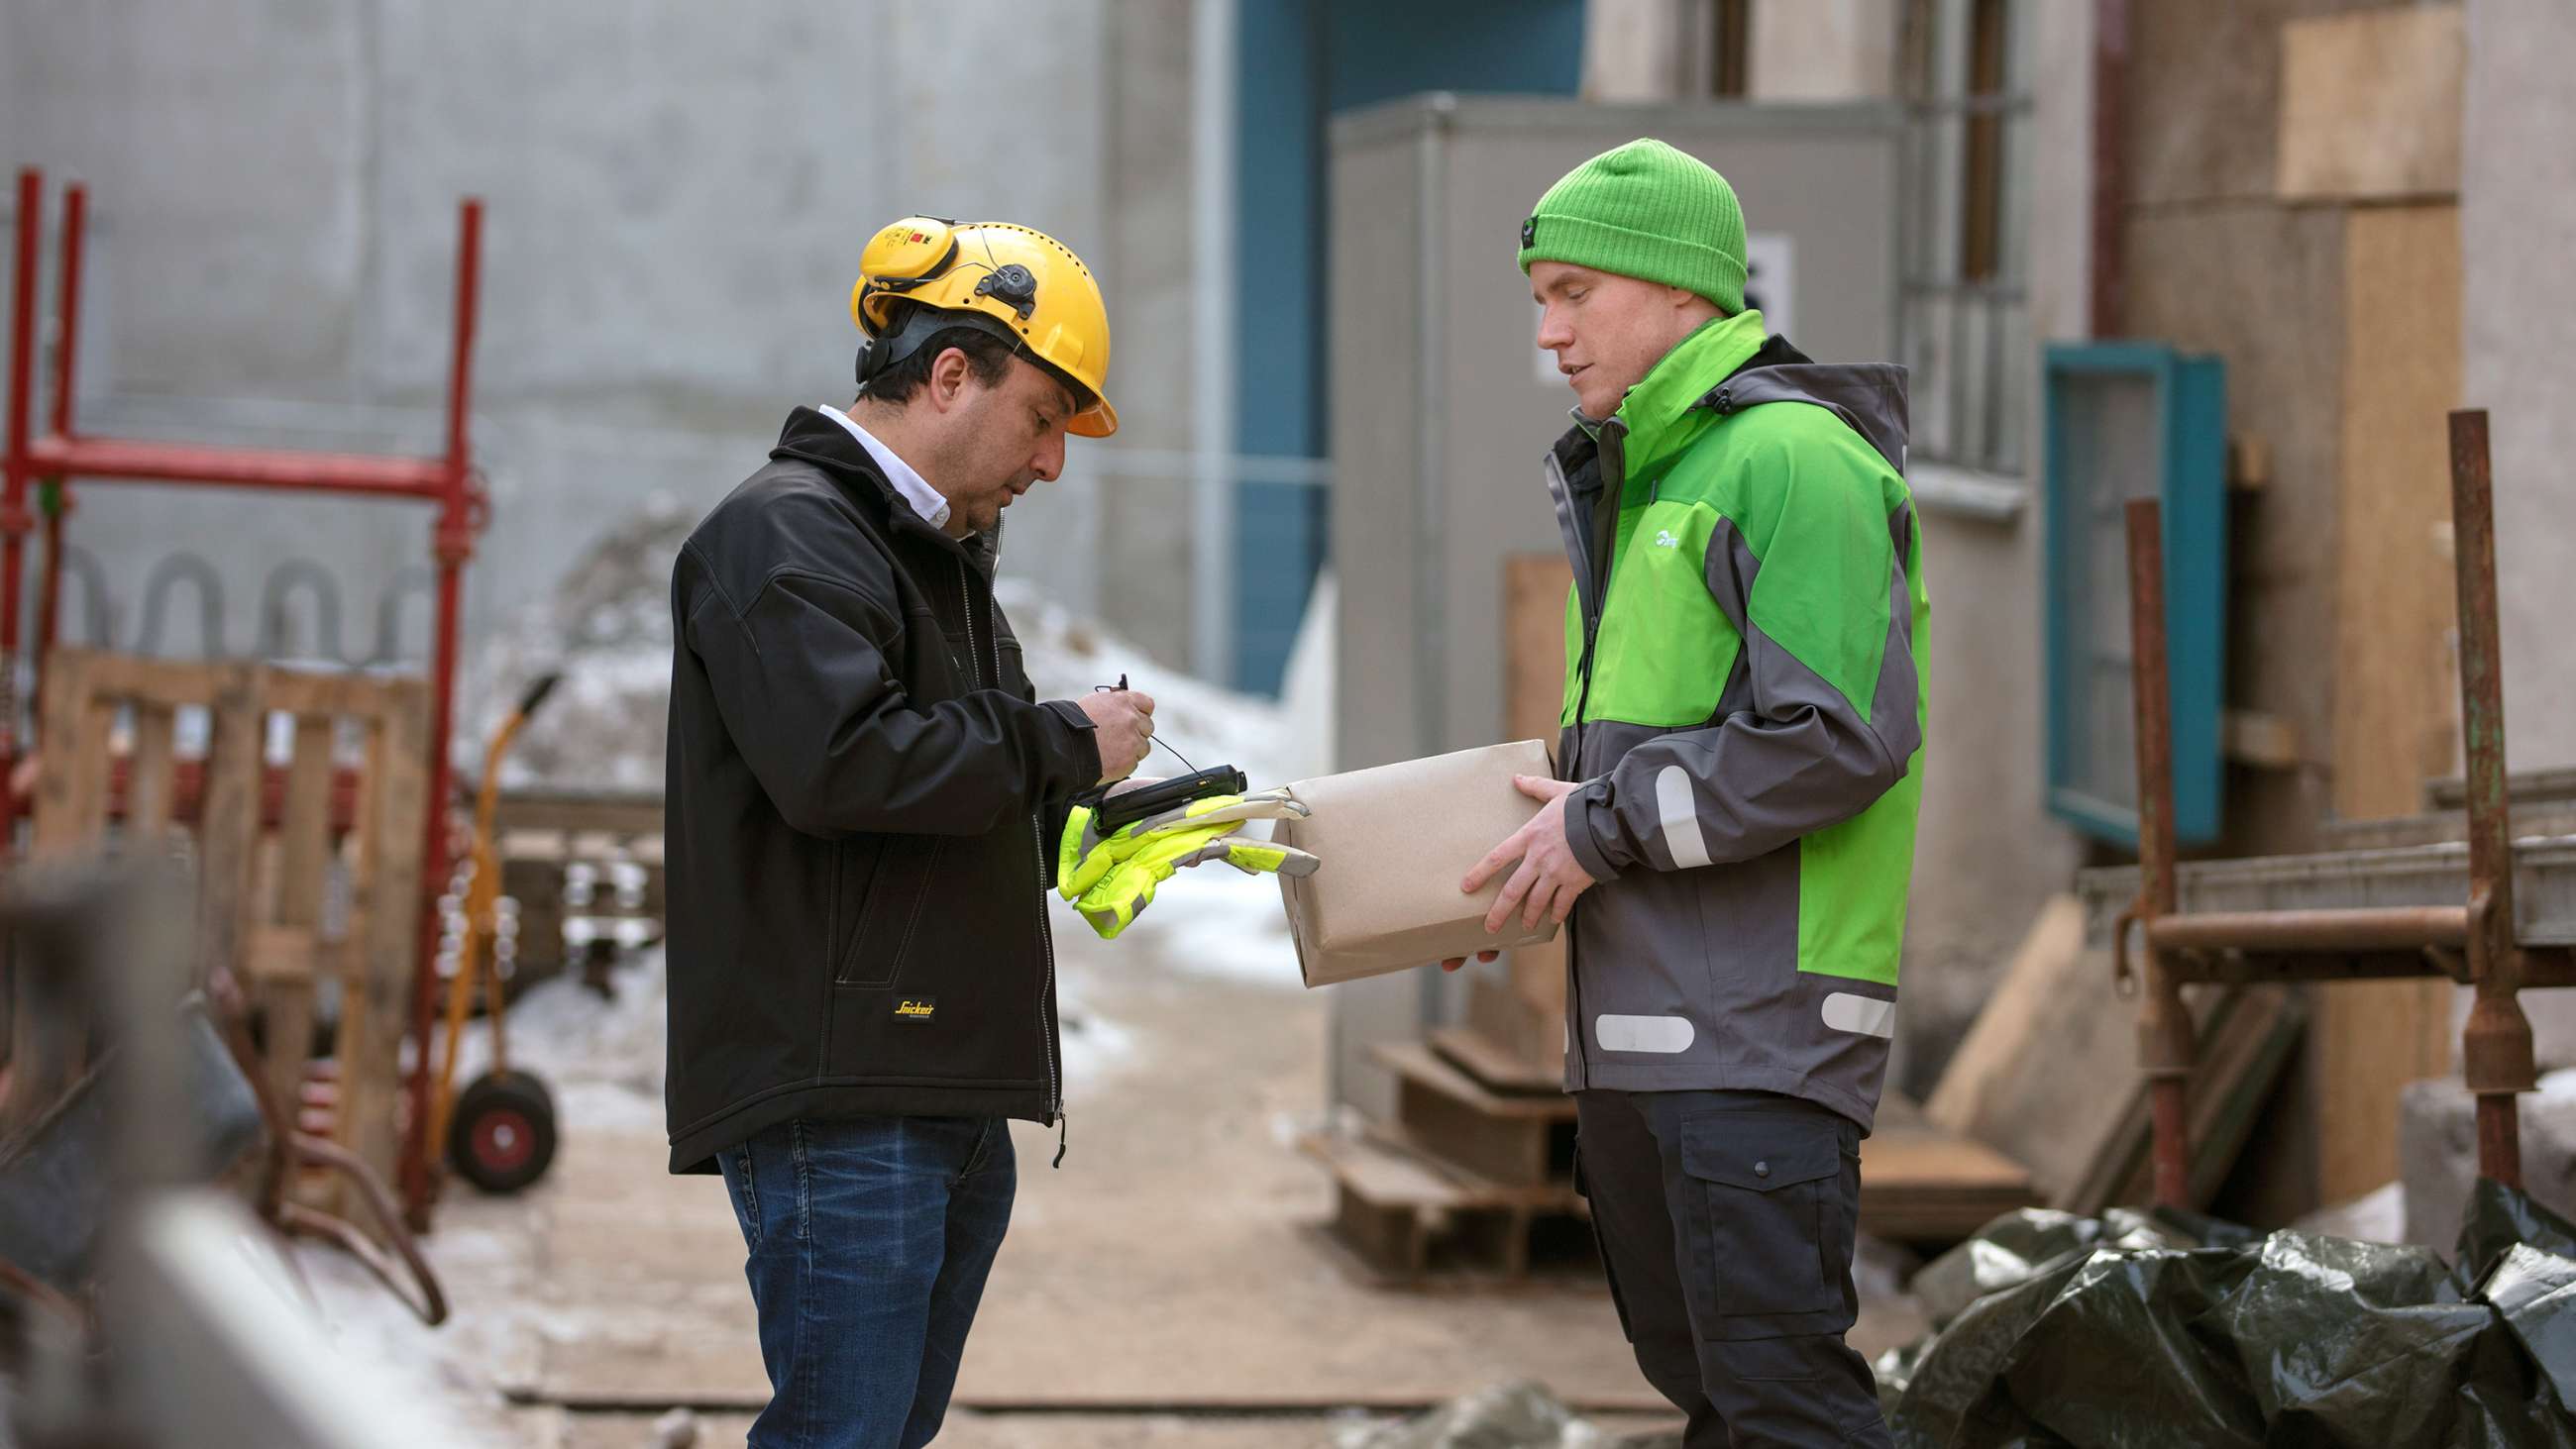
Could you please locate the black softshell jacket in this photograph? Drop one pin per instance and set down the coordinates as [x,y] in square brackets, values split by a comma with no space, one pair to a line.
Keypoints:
[861,797]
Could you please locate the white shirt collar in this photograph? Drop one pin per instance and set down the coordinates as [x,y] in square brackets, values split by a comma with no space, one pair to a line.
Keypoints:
[925,500]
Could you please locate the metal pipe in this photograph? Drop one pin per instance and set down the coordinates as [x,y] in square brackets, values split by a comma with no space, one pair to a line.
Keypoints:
[2496,1048]
[14,519]
[188,464]
[67,305]
[1213,45]
[57,501]
[2400,928]
[2164,1023]
[452,545]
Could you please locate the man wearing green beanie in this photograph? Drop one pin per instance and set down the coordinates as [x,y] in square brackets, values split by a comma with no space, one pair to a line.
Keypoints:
[1741,760]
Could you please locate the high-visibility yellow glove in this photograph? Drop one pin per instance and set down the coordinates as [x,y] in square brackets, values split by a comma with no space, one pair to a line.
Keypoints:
[1085,857]
[1112,904]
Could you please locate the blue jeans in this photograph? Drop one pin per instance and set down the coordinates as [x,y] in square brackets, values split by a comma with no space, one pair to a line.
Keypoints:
[868,1243]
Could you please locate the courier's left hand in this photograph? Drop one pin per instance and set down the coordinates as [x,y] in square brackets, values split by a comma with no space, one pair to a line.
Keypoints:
[1549,877]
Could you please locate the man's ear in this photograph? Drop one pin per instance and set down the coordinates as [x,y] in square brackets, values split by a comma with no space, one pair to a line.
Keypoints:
[948,377]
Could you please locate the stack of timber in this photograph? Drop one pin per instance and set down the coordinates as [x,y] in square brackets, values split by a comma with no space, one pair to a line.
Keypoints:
[1469,1182]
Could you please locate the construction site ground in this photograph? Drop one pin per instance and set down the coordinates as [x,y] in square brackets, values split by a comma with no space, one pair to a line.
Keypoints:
[1165,1287]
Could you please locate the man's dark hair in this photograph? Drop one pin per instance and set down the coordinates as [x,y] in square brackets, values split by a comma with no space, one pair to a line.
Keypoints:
[988,358]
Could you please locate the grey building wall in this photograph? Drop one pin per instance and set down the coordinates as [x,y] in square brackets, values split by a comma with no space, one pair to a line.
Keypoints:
[676,196]
[2517,210]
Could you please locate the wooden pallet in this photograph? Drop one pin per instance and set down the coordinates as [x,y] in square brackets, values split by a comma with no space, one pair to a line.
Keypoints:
[1514,1139]
[265,910]
[1404,1219]
[1922,1184]
[1496,1067]
[549,840]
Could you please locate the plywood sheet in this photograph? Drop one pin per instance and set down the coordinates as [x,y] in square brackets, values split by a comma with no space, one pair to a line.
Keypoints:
[2053,1019]
[2370,105]
[2395,678]
[1534,592]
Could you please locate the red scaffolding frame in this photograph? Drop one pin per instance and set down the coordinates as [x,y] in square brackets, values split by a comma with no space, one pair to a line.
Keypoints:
[62,453]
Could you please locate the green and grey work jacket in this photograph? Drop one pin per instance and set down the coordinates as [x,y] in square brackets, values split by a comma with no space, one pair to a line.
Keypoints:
[1745,704]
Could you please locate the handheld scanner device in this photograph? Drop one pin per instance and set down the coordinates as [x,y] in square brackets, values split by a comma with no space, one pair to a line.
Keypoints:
[1116,812]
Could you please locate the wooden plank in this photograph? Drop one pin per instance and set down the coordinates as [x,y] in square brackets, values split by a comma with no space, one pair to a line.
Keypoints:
[1518,1012]
[286,988]
[304,837]
[2265,741]
[72,754]
[385,898]
[152,780]
[1416,1062]
[2394,677]
[575,810]
[228,821]
[1383,1175]
[2052,1018]
[1495,1066]
[2370,108]
[2232,1080]
[1535,586]
[273,952]
[1471,1190]
[2245,1034]
[1506,1148]
[336,695]
[166,683]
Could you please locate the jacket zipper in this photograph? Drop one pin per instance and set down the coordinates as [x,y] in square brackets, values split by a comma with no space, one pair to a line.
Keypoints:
[1037,838]
[1046,1037]
[1611,490]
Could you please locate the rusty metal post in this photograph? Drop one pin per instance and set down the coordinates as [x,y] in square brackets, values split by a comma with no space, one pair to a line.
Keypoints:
[452,545]
[15,520]
[2496,1048]
[56,498]
[2164,1023]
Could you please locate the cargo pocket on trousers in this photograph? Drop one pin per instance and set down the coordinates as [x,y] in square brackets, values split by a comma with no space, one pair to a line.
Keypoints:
[1767,1186]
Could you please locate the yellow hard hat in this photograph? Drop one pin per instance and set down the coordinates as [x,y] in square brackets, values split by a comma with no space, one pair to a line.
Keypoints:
[1038,292]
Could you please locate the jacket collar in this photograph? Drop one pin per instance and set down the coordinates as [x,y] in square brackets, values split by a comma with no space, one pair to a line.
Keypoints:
[812,437]
[1661,414]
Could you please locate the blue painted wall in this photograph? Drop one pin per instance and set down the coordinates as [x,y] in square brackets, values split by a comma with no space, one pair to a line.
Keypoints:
[1298,62]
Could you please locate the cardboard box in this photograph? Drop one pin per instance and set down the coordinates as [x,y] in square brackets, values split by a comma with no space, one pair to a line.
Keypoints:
[1395,842]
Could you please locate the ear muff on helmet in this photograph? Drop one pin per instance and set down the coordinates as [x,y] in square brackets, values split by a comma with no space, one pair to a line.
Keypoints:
[900,257]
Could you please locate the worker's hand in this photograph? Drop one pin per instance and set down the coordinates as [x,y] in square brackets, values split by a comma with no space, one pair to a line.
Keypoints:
[1454,962]
[1549,877]
[1122,723]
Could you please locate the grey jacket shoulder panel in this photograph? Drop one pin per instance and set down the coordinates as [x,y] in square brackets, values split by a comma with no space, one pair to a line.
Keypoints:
[1868,396]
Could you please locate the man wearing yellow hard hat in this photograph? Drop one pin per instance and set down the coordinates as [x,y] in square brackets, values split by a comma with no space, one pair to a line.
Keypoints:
[864,803]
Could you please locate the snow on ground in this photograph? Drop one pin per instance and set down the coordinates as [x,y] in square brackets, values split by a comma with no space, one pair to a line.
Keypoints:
[1211,919]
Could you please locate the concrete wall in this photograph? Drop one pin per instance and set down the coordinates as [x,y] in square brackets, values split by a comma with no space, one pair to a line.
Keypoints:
[676,194]
[2517,209]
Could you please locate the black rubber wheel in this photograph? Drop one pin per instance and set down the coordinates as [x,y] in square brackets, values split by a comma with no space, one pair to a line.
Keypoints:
[501,1137]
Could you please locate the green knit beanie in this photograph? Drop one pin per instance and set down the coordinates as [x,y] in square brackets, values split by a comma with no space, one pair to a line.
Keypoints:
[1644,210]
